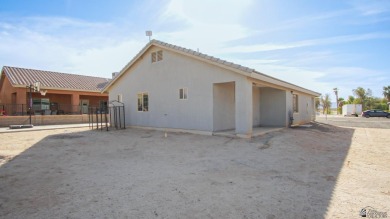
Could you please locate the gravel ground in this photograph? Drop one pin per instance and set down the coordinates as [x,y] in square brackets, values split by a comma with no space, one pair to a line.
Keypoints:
[316,171]
[362,122]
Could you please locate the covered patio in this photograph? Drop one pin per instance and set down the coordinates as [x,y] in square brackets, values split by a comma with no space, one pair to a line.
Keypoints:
[247,108]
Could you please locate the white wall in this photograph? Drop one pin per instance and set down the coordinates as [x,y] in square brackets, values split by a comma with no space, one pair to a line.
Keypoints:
[224,106]
[256,106]
[306,108]
[272,107]
[162,80]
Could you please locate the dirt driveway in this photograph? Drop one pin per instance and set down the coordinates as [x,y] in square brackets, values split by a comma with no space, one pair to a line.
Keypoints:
[320,171]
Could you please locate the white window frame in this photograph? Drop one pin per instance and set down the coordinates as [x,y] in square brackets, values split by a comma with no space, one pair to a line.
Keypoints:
[295,99]
[157,56]
[183,93]
[143,108]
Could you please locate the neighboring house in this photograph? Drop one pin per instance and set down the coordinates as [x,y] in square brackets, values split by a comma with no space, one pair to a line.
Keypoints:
[167,86]
[61,93]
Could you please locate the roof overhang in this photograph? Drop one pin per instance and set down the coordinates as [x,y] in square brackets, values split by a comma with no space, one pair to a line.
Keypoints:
[216,62]
[59,88]
[282,84]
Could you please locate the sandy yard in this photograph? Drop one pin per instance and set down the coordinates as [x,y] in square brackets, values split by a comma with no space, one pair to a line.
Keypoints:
[322,171]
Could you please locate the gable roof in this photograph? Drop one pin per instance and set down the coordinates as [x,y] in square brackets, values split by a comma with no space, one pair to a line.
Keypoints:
[250,72]
[22,77]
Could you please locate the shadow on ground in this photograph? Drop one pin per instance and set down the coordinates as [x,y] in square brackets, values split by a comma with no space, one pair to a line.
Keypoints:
[141,174]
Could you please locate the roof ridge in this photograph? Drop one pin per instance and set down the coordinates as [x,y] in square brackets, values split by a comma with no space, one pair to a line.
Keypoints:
[54,80]
[56,72]
[203,55]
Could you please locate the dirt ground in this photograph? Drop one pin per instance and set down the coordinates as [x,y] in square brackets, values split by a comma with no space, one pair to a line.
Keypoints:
[318,171]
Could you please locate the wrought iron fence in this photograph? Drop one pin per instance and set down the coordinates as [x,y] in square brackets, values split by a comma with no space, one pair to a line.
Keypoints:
[112,116]
[52,109]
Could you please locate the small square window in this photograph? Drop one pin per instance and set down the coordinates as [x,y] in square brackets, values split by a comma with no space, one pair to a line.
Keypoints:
[183,93]
[157,56]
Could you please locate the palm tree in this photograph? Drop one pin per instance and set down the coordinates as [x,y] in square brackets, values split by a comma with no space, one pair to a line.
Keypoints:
[341,103]
[351,100]
[317,103]
[386,92]
[325,102]
[362,95]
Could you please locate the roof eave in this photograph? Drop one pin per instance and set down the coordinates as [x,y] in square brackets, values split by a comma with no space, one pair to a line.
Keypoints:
[60,88]
[284,84]
[153,43]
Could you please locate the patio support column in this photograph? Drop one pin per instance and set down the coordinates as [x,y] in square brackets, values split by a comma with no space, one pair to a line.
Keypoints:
[75,101]
[244,108]
[21,96]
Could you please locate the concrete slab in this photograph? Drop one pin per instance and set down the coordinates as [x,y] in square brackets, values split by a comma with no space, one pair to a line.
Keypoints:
[43,127]
[257,131]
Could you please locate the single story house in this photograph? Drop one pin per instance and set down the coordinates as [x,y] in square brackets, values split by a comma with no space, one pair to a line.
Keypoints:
[61,93]
[167,86]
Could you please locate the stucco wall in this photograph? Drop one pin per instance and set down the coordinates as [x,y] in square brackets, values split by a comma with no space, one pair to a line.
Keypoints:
[162,80]
[306,111]
[6,91]
[58,96]
[256,106]
[224,106]
[43,120]
[272,107]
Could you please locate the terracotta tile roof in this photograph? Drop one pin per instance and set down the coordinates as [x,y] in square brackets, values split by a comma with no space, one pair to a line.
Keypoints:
[54,80]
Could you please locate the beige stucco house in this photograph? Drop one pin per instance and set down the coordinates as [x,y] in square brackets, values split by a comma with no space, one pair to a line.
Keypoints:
[166,86]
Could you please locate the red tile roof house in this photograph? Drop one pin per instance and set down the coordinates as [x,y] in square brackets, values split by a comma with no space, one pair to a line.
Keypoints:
[61,93]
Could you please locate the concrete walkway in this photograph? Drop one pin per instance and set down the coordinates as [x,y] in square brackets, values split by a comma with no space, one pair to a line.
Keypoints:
[43,127]
[257,131]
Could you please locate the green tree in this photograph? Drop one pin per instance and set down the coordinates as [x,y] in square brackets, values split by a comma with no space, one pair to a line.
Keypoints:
[386,92]
[341,102]
[351,100]
[362,95]
[326,103]
[317,103]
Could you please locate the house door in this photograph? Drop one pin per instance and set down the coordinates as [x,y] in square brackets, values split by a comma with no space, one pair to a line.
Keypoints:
[84,106]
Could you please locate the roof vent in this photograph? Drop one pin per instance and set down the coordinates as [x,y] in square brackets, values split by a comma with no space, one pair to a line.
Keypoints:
[114,74]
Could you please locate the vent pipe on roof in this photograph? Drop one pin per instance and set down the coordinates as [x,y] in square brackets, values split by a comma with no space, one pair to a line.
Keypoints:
[114,74]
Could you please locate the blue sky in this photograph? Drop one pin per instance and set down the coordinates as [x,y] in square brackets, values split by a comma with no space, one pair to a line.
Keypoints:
[315,44]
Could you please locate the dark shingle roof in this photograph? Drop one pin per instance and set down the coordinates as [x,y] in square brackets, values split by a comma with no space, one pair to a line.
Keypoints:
[53,80]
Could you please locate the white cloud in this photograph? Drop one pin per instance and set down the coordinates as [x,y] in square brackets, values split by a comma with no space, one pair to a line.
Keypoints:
[66,45]
[99,48]
[206,27]
[305,43]
[371,8]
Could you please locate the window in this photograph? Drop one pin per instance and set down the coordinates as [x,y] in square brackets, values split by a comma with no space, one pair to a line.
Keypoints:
[102,104]
[157,56]
[143,102]
[295,103]
[183,93]
[40,104]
